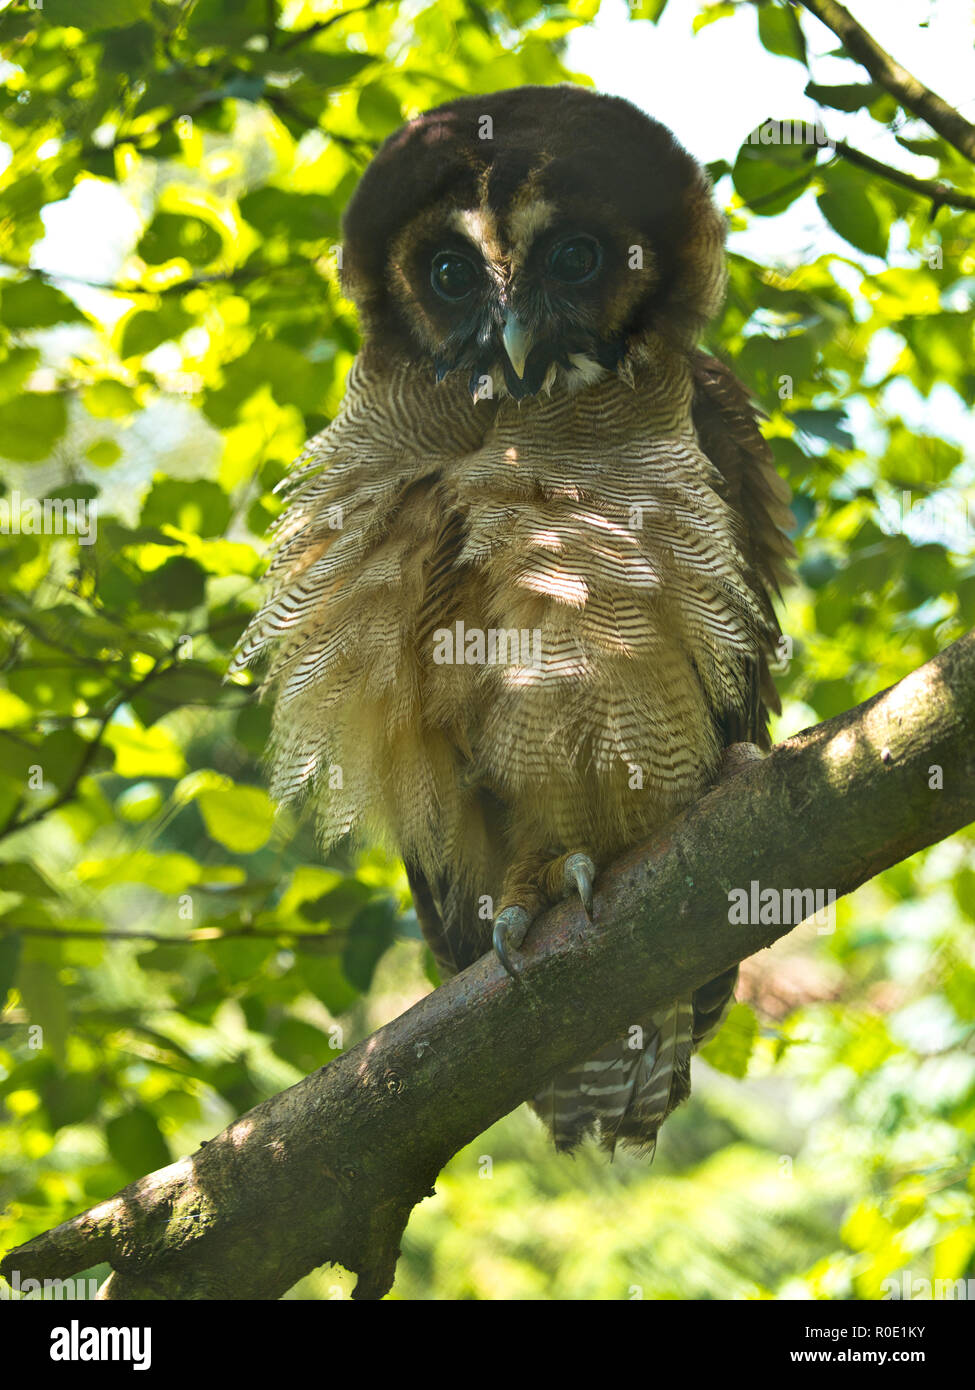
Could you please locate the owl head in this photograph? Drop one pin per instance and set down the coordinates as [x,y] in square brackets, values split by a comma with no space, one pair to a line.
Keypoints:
[531,236]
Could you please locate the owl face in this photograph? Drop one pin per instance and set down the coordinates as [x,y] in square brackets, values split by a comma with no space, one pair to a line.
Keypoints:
[514,299]
[529,237]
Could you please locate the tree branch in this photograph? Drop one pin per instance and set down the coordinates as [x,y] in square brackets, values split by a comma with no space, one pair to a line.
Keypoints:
[329,1170]
[69,791]
[201,936]
[912,94]
[939,194]
[300,36]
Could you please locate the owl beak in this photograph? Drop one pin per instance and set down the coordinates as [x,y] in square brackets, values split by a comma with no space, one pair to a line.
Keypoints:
[517,343]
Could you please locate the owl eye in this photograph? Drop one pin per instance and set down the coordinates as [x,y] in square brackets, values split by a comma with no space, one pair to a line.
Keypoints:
[575,259]
[453,276]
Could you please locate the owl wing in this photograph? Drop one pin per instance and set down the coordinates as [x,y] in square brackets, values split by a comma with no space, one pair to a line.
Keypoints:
[727,428]
[447,905]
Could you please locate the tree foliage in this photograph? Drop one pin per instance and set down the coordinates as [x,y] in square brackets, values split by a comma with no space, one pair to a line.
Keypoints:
[171,952]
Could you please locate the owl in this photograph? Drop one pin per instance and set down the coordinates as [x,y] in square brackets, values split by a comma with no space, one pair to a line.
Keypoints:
[520,598]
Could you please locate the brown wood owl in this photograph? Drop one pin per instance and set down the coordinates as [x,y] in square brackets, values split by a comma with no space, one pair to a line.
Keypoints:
[520,600]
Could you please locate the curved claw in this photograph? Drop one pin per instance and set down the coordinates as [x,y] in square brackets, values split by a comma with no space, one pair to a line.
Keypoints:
[579,874]
[510,929]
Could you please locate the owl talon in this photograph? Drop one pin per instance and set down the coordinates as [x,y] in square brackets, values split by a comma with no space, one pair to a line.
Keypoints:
[578,876]
[510,929]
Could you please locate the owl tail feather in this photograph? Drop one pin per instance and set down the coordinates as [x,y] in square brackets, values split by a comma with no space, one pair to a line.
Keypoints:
[623,1093]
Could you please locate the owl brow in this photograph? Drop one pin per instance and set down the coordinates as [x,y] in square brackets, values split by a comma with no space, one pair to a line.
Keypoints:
[478,227]
[529,218]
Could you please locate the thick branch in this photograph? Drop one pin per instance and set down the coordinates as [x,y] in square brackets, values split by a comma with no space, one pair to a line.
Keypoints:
[329,1170]
[912,94]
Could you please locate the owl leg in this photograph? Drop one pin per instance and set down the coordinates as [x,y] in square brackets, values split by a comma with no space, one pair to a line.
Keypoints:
[530,886]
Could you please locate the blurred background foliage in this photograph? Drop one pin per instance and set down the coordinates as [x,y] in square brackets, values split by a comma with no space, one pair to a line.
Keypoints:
[171,331]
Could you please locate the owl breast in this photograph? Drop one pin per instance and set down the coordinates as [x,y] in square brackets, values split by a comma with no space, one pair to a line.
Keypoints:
[534,608]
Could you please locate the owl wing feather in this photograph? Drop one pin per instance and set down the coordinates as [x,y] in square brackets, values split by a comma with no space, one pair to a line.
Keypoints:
[727,428]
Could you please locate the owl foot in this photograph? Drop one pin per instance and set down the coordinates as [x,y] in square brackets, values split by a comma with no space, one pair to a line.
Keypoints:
[562,877]
[510,928]
[578,873]
[736,757]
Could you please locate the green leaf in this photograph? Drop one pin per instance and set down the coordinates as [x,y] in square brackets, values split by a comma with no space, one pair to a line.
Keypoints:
[60,754]
[139,803]
[33,304]
[781,33]
[379,109]
[176,586]
[292,378]
[10,943]
[31,424]
[103,453]
[303,1045]
[166,873]
[731,1050]
[253,728]
[711,13]
[829,425]
[45,1002]
[147,328]
[109,400]
[929,572]
[330,69]
[17,876]
[373,932]
[847,96]
[144,752]
[324,976]
[302,216]
[853,208]
[224,21]
[136,1143]
[131,49]
[244,86]
[337,906]
[14,710]
[16,366]
[963,887]
[189,683]
[95,14]
[771,177]
[240,818]
[172,235]
[915,460]
[71,1097]
[766,359]
[195,505]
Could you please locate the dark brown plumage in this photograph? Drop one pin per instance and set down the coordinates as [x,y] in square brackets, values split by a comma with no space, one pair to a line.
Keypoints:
[531,443]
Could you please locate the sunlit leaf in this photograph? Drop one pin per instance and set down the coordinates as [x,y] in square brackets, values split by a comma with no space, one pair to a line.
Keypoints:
[241,818]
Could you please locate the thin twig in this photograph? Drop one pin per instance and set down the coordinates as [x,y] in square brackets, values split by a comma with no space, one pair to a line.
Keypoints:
[313,30]
[912,94]
[200,936]
[940,194]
